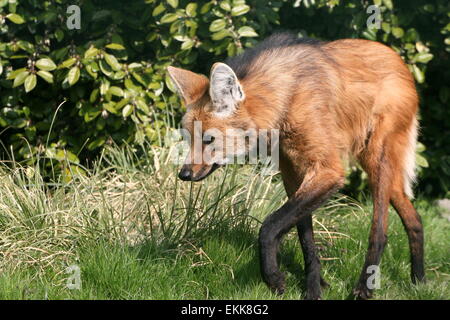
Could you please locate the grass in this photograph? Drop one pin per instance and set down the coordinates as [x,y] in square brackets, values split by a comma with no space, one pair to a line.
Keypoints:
[136,232]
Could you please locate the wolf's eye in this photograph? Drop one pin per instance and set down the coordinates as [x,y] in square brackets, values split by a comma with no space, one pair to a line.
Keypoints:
[207,139]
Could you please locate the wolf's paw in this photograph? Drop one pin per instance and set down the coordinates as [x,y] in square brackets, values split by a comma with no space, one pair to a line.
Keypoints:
[313,294]
[362,293]
[276,282]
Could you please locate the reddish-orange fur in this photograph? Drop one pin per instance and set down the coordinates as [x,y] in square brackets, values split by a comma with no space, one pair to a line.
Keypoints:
[334,102]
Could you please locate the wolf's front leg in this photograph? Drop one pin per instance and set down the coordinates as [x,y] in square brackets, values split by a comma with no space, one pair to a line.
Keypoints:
[312,194]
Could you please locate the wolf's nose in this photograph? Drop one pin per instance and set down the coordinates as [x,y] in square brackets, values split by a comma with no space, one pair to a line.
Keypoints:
[185,174]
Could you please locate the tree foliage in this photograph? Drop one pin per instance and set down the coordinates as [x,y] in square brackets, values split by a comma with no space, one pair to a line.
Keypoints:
[111,72]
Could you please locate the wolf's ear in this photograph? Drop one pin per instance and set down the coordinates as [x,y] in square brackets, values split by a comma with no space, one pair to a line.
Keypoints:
[225,90]
[189,85]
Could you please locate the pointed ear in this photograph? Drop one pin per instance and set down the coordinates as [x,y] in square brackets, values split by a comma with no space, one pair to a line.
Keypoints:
[189,85]
[225,90]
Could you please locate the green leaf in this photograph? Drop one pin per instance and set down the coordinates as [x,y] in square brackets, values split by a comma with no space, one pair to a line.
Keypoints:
[73,76]
[20,78]
[105,68]
[423,57]
[418,74]
[388,4]
[169,18]
[141,105]
[187,44]
[25,45]
[370,34]
[119,105]
[386,27]
[68,63]
[59,35]
[134,65]
[191,9]
[119,75]
[94,95]
[181,38]
[66,155]
[411,35]
[91,52]
[47,76]
[421,161]
[221,34]
[118,92]
[13,74]
[91,71]
[231,49]
[158,10]
[127,110]
[112,61]
[46,64]
[173,3]
[104,87]
[96,143]
[398,32]
[60,53]
[30,82]
[15,18]
[206,7]
[420,147]
[240,10]
[247,32]
[19,123]
[115,46]
[225,5]
[130,85]
[91,114]
[217,25]
[110,107]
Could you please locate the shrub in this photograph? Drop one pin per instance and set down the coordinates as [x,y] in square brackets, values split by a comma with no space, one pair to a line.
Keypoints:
[111,71]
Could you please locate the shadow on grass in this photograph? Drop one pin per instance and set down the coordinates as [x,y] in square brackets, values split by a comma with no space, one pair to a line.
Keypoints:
[241,239]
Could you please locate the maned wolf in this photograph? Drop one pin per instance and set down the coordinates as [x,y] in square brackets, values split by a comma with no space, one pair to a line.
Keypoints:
[331,102]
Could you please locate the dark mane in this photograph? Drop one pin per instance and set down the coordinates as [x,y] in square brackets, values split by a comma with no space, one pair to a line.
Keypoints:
[240,63]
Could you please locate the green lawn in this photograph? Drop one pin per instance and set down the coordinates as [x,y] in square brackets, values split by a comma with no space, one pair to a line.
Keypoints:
[136,232]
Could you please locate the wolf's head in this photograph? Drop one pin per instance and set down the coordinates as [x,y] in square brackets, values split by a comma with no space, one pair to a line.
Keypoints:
[216,119]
